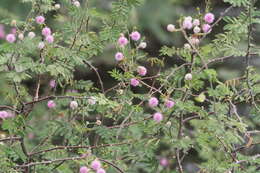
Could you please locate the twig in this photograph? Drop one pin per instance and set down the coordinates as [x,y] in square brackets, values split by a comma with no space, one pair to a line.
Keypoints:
[112,164]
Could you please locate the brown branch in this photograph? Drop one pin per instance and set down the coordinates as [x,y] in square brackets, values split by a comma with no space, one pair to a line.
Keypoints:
[112,164]
[96,71]
[10,139]
[77,147]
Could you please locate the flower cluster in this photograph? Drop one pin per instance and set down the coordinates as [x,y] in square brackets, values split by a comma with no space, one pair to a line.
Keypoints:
[95,165]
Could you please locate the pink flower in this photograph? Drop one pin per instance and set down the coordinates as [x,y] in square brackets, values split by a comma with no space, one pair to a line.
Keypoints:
[10,38]
[46,31]
[196,22]
[135,36]
[157,117]
[122,41]
[73,104]
[51,104]
[194,41]
[196,29]
[31,35]
[141,70]
[2,31]
[41,45]
[153,102]
[95,164]
[171,28]
[164,162]
[21,36]
[209,17]
[206,28]
[52,83]
[3,114]
[169,103]
[101,170]
[40,19]
[119,56]
[187,23]
[49,39]
[134,82]
[76,3]
[83,169]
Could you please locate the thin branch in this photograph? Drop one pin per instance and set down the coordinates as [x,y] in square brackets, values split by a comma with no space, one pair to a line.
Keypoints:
[112,164]
[96,71]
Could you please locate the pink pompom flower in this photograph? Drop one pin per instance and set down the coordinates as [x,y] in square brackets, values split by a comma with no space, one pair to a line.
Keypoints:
[41,45]
[196,22]
[73,104]
[40,19]
[135,35]
[141,70]
[153,102]
[134,82]
[46,31]
[164,162]
[187,24]
[169,103]
[3,114]
[157,117]
[209,17]
[76,3]
[10,38]
[119,56]
[206,28]
[83,169]
[31,35]
[171,28]
[101,170]
[52,84]
[51,104]
[122,41]
[49,39]
[196,29]
[95,164]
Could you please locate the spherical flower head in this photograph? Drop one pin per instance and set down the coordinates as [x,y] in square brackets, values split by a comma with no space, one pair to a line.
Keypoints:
[157,117]
[101,170]
[196,22]
[40,19]
[141,70]
[209,17]
[196,29]
[187,46]
[169,103]
[119,56]
[49,39]
[73,104]
[206,28]
[122,41]
[76,3]
[21,36]
[3,114]
[171,28]
[134,82]
[164,162]
[153,102]
[51,104]
[135,35]
[46,31]
[187,24]
[189,18]
[95,164]
[188,76]
[92,100]
[10,38]
[41,45]
[142,45]
[52,84]
[83,169]
[31,35]
[57,6]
